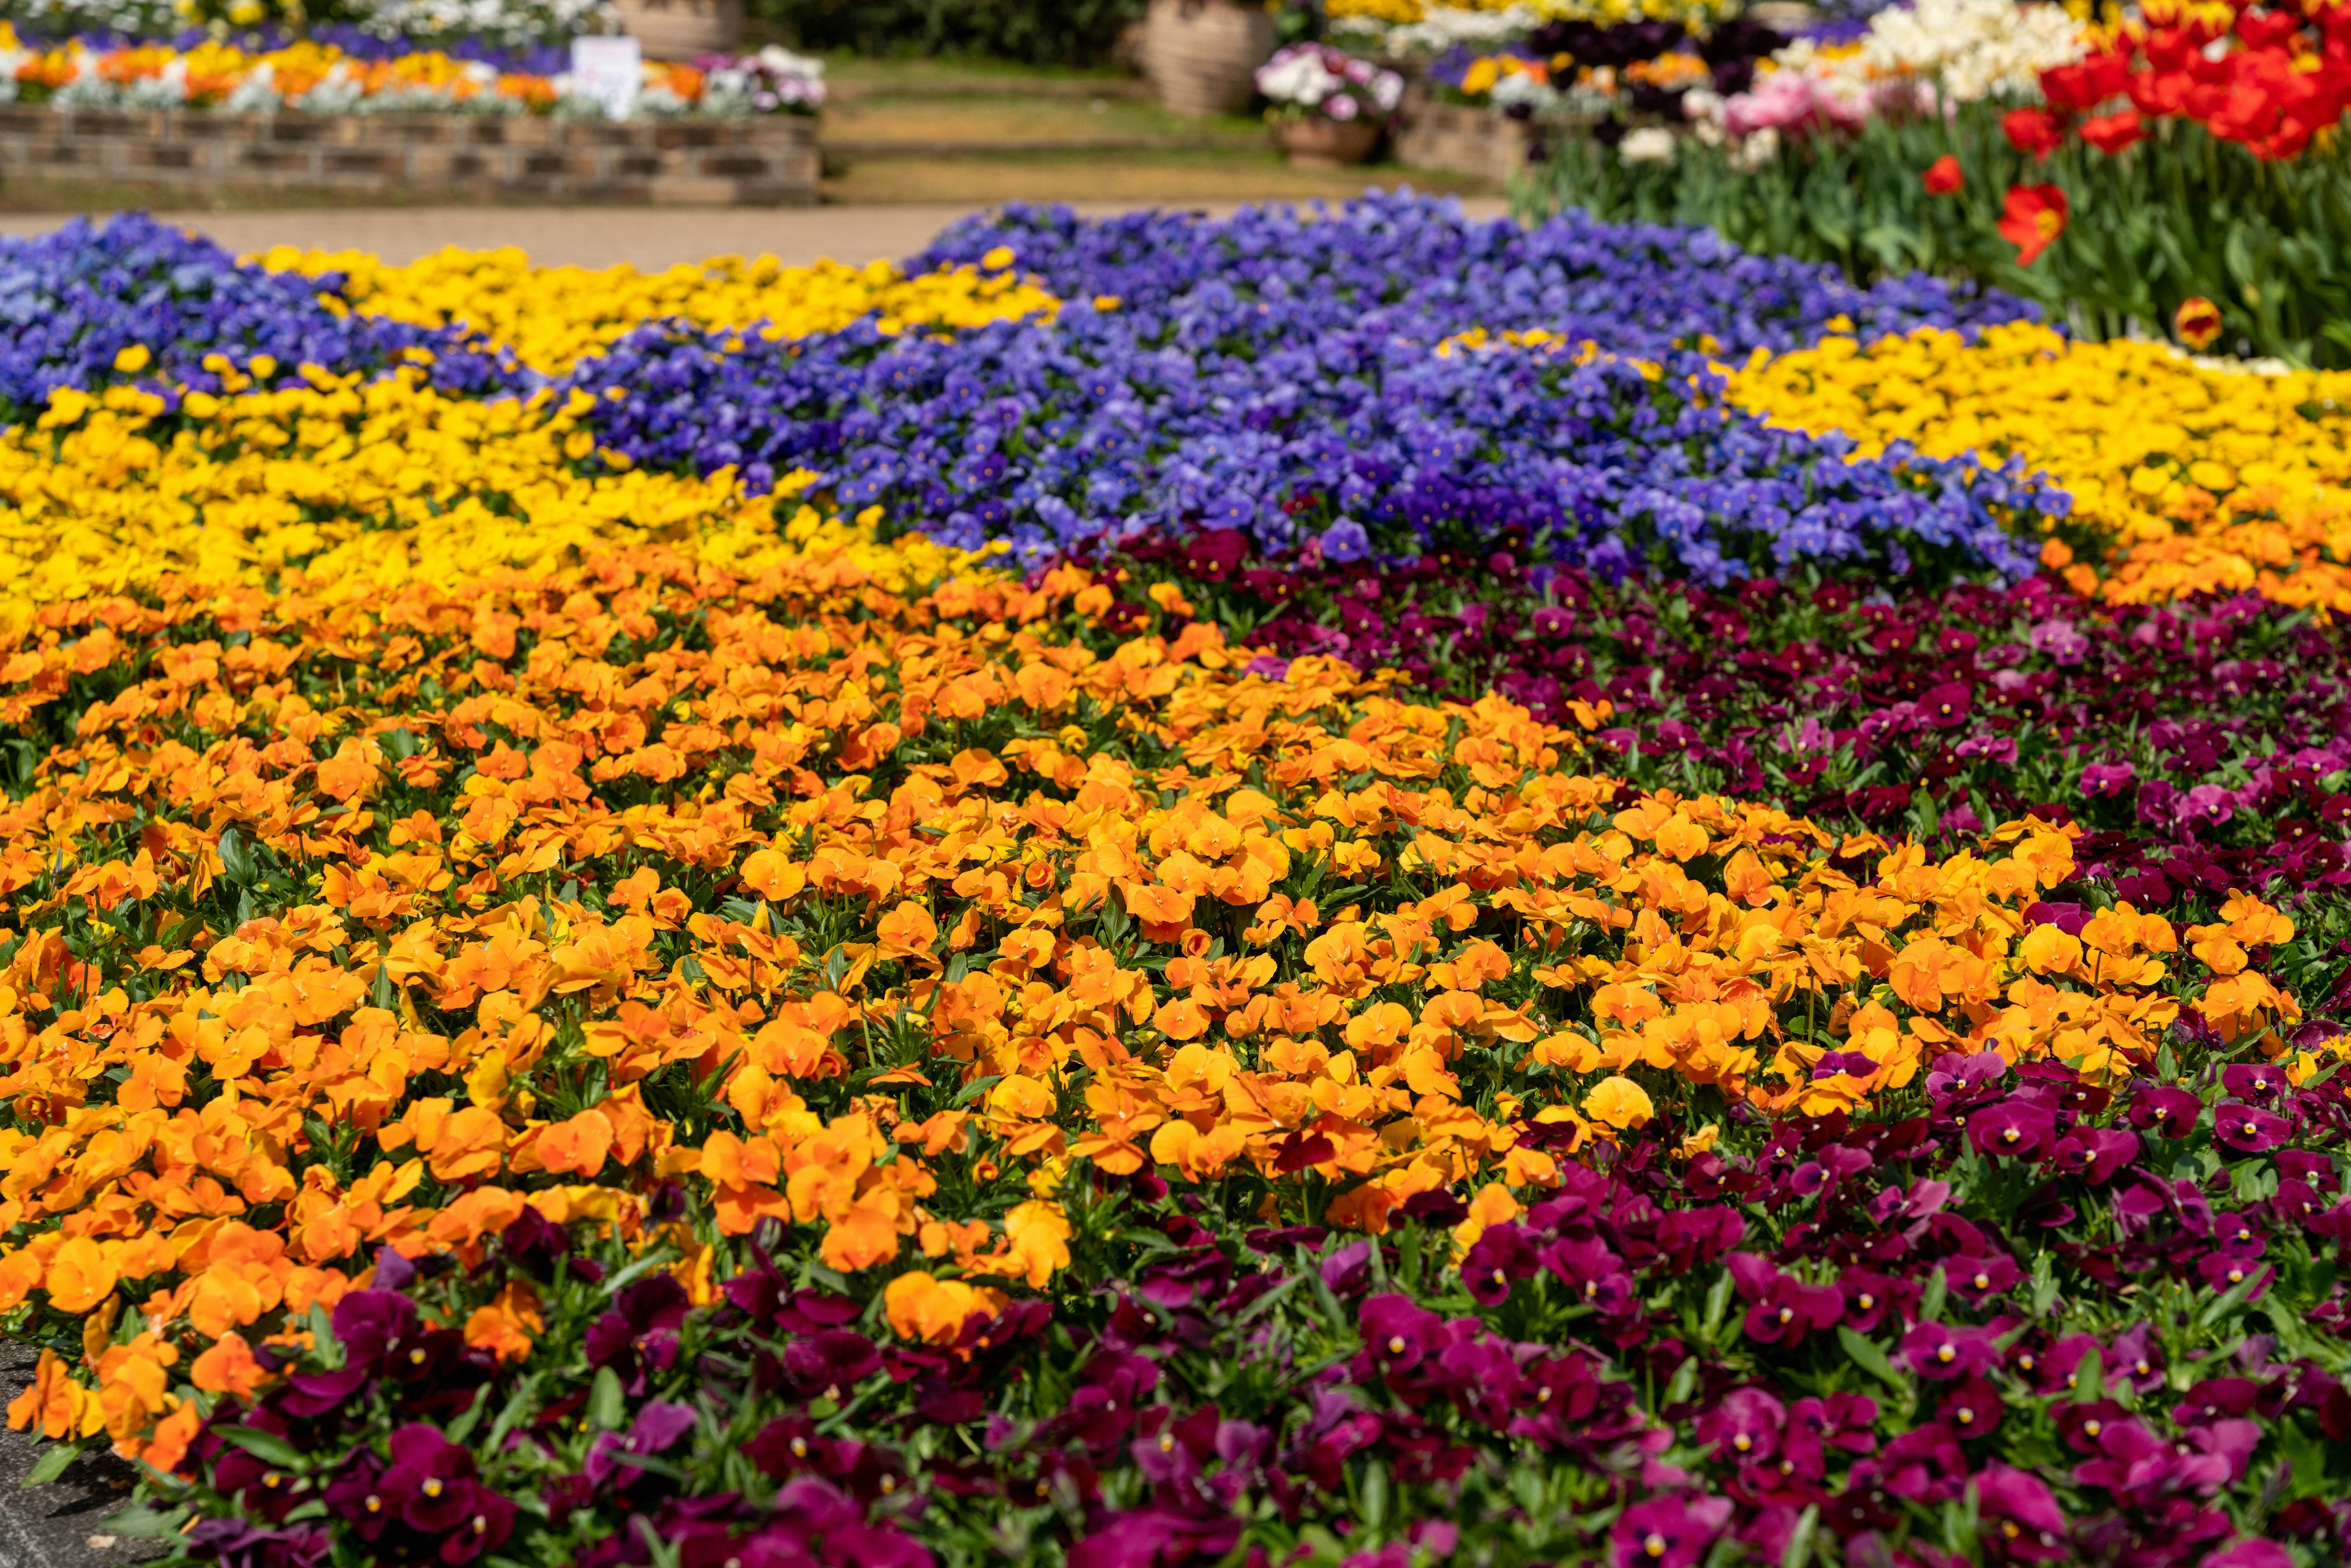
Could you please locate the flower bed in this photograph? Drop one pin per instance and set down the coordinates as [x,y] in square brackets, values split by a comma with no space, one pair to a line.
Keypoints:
[322,77]
[2191,158]
[1162,891]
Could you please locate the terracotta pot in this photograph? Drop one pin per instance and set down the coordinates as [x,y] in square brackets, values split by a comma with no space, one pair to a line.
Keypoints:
[1320,143]
[1202,54]
[681,29]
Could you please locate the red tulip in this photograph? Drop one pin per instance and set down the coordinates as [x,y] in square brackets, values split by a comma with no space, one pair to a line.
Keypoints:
[2110,133]
[2035,215]
[2034,131]
[1943,176]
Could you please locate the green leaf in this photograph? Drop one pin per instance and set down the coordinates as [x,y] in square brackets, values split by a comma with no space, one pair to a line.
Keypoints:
[2089,1379]
[2229,1302]
[516,1408]
[1931,1305]
[146,1522]
[2044,1285]
[462,1426]
[1717,1302]
[1375,1495]
[607,1406]
[644,1265]
[52,1464]
[1685,1382]
[267,1446]
[1800,1540]
[1864,1353]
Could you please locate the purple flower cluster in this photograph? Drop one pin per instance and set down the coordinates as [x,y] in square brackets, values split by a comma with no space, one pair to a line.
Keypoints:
[1305,402]
[74,300]
[1428,272]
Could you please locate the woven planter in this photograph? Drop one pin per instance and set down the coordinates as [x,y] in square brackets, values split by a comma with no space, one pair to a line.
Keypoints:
[681,29]
[1319,143]
[1202,55]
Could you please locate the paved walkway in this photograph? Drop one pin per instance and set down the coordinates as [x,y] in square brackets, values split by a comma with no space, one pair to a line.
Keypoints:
[598,236]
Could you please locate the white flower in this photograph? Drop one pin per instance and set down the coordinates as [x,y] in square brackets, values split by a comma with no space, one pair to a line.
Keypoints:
[1297,76]
[1754,151]
[1648,145]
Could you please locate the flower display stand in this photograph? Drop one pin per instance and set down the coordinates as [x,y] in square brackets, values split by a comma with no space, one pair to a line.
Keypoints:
[1202,54]
[1462,139]
[754,160]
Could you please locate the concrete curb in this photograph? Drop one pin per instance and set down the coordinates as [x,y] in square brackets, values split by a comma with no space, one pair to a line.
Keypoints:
[53,1526]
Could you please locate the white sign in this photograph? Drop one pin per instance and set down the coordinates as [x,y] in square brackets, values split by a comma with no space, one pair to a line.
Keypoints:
[608,70]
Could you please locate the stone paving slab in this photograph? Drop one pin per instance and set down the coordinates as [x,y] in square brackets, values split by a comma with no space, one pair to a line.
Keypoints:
[62,1524]
[603,236]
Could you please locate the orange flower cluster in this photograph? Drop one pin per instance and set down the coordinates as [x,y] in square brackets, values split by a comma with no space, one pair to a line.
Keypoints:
[345,917]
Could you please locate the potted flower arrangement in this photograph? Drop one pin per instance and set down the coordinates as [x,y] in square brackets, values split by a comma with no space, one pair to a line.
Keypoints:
[1327,107]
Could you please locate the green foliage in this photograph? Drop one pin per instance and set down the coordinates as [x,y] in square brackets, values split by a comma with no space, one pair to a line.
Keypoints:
[1035,32]
[2182,215]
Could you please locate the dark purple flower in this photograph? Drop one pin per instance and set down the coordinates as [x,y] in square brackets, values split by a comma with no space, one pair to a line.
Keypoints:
[236,1544]
[2095,1152]
[2207,806]
[826,1364]
[2253,1081]
[2136,1358]
[1668,1532]
[1349,1270]
[2167,1111]
[1743,1427]
[2016,1126]
[1397,1334]
[2102,779]
[2225,1271]
[1500,1254]
[1785,1308]
[640,1329]
[1868,1297]
[370,1324]
[1955,1082]
[2029,1526]
[1941,1351]
[2248,1128]
[1976,1279]
[1216,553]
[1974,1408]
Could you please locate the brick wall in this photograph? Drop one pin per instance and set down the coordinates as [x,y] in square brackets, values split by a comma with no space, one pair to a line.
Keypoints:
[766,161]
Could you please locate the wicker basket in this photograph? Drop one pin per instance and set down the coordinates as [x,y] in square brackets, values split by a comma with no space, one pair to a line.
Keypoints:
[681,29]
[1202,55]
[1319,143]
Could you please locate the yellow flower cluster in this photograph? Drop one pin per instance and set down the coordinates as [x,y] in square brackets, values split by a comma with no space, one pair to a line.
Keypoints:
[2206,479]
[377,482]
[552,316]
